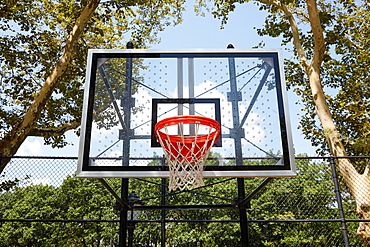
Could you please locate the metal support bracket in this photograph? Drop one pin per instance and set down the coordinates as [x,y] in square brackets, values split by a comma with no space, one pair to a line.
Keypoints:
[124,102]
[246,201]
[122,133]
[122,204]
[234,96]
[237,133]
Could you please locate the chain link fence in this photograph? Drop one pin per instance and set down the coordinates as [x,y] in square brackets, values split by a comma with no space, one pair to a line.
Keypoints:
[315,208]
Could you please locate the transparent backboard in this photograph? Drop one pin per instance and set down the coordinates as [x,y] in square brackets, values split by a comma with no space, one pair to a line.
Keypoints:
[128,91]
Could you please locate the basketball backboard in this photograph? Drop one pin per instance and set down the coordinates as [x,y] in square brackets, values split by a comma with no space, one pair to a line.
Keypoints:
[128,91]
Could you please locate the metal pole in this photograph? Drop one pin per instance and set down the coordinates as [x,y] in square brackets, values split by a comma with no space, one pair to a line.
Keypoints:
[130,234]
[339,201]
[127,109]
[191,84]
[234,96]
[123,204]
[126,149]
[180,84]
[243,214]
[123,214]
[245,201]
[130,228]
[180,89]
[163,212]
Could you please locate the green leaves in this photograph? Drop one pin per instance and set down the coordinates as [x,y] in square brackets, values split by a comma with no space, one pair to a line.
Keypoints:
[307,196]
[34,36]
[74,199]
[31,202]
[344,74]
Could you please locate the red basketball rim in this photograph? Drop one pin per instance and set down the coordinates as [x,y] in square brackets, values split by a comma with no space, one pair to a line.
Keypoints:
[214,135]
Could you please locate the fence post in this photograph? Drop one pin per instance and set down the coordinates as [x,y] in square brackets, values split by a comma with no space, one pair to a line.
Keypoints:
[163,202]
[339,201]
[243,214]
[122,238]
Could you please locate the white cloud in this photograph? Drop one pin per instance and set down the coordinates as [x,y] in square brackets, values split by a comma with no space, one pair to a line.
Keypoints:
[38,181]
[30,147]
[141,121]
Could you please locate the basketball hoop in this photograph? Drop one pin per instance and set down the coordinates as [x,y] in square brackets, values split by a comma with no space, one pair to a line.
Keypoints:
[186,154]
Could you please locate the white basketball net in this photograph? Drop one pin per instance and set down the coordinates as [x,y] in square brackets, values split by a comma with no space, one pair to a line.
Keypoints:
[186,161]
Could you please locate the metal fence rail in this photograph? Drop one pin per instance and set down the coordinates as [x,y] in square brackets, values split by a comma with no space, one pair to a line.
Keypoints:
[313,209]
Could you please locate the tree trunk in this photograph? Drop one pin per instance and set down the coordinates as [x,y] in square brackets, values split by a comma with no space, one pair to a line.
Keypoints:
[10,144]
[358,184]
[361,193]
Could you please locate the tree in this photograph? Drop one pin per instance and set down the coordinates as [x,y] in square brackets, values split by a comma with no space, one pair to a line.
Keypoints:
[86,199]
[43,55]
[75,199]
[331,50]
[307,196]
[31,202]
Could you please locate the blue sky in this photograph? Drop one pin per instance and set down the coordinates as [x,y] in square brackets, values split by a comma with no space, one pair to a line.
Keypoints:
[200,32]
[205,32]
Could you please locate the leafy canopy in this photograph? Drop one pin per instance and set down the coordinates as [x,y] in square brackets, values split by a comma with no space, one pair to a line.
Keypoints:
[344,72]
[33,35]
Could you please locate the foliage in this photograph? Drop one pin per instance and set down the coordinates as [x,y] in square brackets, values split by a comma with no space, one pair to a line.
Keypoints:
[114,72]
[87,199]
[328,70]
[33,39]
[8,185]
[32,202]
[307,196]
[74,199]
[344,74]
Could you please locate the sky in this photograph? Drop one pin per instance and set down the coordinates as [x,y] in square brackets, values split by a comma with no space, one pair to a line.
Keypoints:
[203,33]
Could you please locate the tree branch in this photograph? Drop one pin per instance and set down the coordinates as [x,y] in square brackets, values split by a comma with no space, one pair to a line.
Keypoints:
[10,143]
[367,169]
[55,131]
[294,28]
[318,33]
[354,43]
